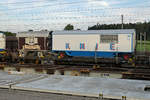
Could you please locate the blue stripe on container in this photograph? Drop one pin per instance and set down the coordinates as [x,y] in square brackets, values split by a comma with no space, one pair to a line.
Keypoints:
[90,54]
[2,49]
[99,54]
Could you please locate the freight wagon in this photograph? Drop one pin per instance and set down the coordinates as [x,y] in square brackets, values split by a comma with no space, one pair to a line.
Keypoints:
[33,40]
[33,45]
[2,46]
[2,42]
[95,43]
[11,43]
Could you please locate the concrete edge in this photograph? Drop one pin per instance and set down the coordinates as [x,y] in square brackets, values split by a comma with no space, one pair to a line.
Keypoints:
[4,86]
[71,93]
[64,92]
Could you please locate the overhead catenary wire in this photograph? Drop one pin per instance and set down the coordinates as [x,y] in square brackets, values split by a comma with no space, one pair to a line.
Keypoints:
[29,2]
[52,4]
[42,17]
[77,10]
[62,4]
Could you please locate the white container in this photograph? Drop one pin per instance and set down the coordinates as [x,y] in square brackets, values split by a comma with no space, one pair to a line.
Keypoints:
[100,41]
[2,42]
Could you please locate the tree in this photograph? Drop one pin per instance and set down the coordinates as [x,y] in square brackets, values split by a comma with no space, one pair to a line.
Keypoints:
[8,33]
[30,30]
[140,27]
[69,27]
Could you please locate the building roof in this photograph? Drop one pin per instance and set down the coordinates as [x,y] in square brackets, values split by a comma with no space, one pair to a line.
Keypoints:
[110,31]
[33,34]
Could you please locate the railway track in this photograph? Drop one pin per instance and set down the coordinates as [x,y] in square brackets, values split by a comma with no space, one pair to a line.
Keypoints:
[77,65]
[128,71]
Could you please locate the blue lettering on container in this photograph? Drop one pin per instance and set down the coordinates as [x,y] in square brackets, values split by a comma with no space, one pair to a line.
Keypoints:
[67,46]
[112,46]
[82,46]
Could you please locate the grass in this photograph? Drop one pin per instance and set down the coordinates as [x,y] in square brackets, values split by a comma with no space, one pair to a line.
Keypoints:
[147,46]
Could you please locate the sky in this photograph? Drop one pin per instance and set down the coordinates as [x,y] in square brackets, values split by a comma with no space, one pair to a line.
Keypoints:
[22,15]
